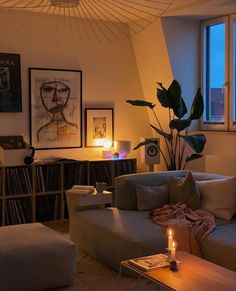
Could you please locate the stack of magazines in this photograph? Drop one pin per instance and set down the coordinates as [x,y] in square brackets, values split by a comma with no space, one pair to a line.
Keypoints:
[82,189]
[150,262]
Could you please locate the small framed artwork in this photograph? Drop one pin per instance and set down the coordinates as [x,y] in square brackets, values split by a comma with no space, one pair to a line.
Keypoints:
[55,108]
[10,83]
[99,126]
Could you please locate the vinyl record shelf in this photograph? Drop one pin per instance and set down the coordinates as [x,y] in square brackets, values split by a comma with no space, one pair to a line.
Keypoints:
[37,193]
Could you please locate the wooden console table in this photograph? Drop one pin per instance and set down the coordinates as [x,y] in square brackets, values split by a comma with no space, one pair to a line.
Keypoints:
[194,274]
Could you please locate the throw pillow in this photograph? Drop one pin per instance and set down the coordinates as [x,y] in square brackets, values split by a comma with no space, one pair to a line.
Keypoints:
[184,190]
[218,197]
[151,197]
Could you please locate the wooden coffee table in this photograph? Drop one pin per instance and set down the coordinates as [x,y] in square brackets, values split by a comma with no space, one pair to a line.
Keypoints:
[194,274]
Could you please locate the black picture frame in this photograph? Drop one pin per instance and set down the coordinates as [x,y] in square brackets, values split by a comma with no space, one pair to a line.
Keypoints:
[55,108]
[95,118]
[10,83]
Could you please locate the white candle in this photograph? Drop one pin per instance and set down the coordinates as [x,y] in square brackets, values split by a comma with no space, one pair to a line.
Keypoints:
[173,250]
[170,239]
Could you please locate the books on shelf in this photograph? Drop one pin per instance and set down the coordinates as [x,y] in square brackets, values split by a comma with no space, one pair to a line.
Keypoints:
[82,189]
[150,262]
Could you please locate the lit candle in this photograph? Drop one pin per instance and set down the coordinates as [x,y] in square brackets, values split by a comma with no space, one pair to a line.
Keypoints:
[173,250]
[170,239]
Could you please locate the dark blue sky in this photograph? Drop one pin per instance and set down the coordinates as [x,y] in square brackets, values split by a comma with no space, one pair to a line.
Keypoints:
[217,55]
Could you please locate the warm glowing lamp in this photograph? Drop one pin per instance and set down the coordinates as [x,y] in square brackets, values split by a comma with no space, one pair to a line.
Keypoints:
[107,152]
[107,144]
[99,142]
[122,147]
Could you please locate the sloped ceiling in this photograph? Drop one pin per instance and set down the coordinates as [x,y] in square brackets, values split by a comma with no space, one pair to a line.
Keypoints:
[104,21]
[202,9]
[125,10]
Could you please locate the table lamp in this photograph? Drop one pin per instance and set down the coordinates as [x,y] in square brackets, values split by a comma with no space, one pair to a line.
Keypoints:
[122,147]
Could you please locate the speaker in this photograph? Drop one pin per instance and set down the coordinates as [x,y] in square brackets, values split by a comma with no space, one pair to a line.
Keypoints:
[150,153]
[28,160]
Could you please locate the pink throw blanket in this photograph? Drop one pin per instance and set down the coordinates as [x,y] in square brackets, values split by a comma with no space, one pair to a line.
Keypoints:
[190,227]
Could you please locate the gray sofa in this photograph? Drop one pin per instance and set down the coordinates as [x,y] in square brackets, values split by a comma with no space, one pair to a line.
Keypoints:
[113,234]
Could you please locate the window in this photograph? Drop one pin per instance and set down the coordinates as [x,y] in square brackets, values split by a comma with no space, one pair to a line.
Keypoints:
[218,73]
[233,70]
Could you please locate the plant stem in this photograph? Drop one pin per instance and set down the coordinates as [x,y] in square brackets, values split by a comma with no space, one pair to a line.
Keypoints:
[172,155]
[184,165]
[163,156]
[179,153]
[176,140]
[183,150]
[173,148]
[157,119]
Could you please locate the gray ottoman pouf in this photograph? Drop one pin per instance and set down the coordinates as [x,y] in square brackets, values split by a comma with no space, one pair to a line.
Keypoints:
[35,257]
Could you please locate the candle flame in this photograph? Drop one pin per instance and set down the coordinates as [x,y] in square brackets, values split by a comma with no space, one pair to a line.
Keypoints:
[174,244]
[170,231]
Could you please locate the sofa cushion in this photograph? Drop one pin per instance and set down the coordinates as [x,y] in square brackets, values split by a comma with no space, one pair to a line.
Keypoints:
[184,190]
[125,193]
[218,197]
[111,235]
[219,246]
[151,197]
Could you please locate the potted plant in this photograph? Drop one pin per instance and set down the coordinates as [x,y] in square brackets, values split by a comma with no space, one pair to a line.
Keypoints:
[171,98]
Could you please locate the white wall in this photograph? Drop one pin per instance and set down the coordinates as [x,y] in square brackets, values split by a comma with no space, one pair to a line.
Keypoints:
[153,66]
[111,74]
[109,78]
[166,50]
[183,45]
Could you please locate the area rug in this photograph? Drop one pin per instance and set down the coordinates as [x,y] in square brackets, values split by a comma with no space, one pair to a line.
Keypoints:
[93,276]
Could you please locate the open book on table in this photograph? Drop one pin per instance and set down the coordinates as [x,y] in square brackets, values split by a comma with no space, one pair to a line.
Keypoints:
[150,262]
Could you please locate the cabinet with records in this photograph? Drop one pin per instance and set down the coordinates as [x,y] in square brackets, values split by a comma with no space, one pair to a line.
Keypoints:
[36,193]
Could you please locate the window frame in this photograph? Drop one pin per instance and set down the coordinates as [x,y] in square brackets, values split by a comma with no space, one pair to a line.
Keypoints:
[232,70]
[215,125]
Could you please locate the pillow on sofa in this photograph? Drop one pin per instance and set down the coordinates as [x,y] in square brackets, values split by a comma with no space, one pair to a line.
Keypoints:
[218,197]
[150,197]
[184,190]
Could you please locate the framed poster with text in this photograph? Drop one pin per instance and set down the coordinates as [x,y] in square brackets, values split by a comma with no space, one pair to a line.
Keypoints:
[10,83]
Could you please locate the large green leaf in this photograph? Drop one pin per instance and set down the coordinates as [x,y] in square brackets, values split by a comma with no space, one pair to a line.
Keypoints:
[195,141]
[162,96]
[175,96]
[182,108]
[141,103]
[146,142]
[171,98]
[197,106]
[193,157]
[161,132]
[179,124]
[176,100]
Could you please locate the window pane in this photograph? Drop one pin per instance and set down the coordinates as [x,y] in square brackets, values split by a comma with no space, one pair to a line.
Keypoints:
[234,72]
[215,72]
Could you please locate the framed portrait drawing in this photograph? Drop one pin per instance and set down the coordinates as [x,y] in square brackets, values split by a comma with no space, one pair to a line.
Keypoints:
[99,126]
[10,83]
[55,108]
